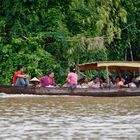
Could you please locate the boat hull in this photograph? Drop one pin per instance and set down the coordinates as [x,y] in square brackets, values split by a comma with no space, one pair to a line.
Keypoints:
[70,92]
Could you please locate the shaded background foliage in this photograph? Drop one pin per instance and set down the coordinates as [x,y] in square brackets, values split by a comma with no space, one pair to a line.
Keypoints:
[47,35]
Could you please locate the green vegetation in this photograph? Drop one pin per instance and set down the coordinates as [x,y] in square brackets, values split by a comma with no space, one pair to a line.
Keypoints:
[53,34]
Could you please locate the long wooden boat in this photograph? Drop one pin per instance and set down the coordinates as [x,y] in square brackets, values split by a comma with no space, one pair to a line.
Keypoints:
[71,92]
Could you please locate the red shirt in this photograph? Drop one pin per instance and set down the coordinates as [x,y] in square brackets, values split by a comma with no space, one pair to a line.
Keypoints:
[16,75]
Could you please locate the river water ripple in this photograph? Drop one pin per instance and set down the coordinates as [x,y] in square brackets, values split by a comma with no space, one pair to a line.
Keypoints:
[69,118]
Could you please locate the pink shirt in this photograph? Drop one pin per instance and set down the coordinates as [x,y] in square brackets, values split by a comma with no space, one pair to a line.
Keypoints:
[46,81]
[72,78]
[120,83]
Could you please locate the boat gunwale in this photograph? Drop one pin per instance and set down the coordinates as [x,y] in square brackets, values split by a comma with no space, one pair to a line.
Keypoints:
[113,92]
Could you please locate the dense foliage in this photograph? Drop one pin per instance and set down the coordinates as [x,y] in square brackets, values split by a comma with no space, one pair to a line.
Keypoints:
[47,35]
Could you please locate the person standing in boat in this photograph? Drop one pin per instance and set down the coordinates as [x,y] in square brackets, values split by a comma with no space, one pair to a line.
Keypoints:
[72,78]
[20,78]
[48,81]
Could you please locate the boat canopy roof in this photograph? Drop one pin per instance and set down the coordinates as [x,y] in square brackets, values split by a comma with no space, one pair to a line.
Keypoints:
[111,65]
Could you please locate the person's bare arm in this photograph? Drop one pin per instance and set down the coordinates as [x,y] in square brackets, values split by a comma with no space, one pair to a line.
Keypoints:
[123,86]
[23,76]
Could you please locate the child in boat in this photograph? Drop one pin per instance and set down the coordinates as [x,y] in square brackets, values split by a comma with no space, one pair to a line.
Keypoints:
[48,81]
[72,78]
[20,78]
[95,83]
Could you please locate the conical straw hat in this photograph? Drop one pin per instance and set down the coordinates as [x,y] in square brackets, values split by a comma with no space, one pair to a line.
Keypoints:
[138,78]
[34,80]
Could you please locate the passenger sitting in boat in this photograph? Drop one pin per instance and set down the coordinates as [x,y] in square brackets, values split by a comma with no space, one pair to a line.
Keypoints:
[72,78]
[120,82]
[95,83]
[103,83]
[109,83]
[132,83]
[35,82]
[84,82]
[137,81]
[19,78]
[48,81]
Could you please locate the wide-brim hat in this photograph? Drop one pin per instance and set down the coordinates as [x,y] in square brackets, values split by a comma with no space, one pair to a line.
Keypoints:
[138,78]
[34,80]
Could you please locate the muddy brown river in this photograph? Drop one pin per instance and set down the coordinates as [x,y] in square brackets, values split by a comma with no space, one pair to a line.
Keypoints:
[69,118]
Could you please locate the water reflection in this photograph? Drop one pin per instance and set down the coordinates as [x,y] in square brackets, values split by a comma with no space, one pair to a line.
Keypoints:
[70,118]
